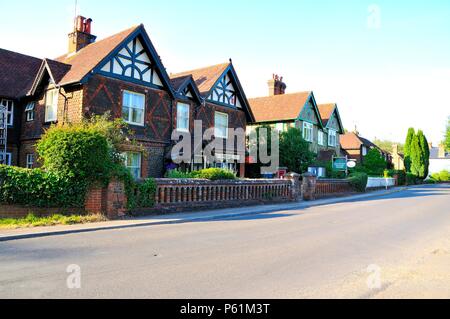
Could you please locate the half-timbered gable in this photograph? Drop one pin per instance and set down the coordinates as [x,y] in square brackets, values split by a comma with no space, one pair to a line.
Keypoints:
[310,112]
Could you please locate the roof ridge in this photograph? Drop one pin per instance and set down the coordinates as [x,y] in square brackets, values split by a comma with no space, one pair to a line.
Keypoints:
[183,73]
[280,95]
[22,54]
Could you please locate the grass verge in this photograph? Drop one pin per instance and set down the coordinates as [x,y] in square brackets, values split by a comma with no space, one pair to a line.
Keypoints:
[33,221]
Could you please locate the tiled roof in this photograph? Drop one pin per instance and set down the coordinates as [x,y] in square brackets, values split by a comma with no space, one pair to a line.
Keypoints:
[205,78]
[351,141]
[17,73]
[326,111]
[58,69]
[283,107]
[89,57]
[178,82]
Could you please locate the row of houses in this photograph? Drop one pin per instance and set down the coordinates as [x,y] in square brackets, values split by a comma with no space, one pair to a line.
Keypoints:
[124,75]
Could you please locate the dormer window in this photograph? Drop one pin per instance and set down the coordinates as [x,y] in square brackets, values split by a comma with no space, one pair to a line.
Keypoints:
[9,105]
[29,111]
[51,106]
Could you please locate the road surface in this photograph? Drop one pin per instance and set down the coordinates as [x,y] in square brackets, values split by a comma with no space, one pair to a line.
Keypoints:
[395,246]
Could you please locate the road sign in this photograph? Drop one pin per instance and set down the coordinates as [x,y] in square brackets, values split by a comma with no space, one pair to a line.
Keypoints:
[351,164]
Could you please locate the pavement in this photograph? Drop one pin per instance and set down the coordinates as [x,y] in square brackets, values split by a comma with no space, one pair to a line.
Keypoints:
[24,233]
[395,245]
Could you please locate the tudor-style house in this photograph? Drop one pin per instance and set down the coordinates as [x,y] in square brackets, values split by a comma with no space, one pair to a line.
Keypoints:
[321,125]
[123,75]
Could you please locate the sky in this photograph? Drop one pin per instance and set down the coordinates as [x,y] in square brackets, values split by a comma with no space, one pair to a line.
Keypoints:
[385,63]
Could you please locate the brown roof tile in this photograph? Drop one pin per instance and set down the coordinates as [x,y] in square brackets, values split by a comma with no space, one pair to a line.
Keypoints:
[17,73]
[279,107]
[177,82]
[205,78]
[326,111]
[89,57]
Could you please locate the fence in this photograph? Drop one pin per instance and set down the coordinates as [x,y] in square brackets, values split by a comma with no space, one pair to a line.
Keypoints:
[332,187]
[375,182]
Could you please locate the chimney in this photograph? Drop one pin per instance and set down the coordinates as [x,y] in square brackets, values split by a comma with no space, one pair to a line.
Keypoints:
[441,151]
[430,145]
[276,85]
[81,35]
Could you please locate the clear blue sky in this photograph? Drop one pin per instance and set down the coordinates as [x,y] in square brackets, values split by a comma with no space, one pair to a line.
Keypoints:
[384,78]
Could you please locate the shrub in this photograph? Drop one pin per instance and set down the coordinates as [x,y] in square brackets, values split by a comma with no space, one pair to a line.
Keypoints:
[443,176]
[295,152]
[76,151]
[214,174]
[39,188]
[178,174]
[358,181]
[374,164]
[401,175]
[411,179]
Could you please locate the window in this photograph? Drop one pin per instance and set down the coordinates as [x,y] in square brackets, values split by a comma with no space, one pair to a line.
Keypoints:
[30,161]
[51,106]
[364,151]
[183,117]
[9,105]
[5,160]
[133,107]
[29,111]
[332,141]
[321,138]
[133,163]
[221,125]
[308,131]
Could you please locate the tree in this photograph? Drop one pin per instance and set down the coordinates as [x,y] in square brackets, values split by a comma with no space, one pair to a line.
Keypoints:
[417,158]
[388,146]
[294,151]
[425,148]
[407,148]
[374,164]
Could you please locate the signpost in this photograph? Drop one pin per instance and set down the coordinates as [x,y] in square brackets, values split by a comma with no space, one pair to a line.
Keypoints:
[342,164]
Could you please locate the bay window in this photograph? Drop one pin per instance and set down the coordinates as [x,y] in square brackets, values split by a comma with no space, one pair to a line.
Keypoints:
[51,106]
[133,106]
[221,125]
[183,117]
[308,131]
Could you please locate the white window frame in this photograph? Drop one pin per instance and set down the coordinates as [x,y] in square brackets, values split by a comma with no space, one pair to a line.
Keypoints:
[8,158]
[131,168]
[53,105]
[364,151]
[30,111]
[216,128]
[181,119]
[30,161]
[9,104]
[131,108]
[308,128]
[332,138]
[321,138]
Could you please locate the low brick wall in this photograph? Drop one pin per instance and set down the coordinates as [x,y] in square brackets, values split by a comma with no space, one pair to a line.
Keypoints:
[190,194]
[16,211]
[332,187]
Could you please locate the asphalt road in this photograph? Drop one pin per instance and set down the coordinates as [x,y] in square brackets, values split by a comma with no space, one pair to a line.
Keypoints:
[385,247]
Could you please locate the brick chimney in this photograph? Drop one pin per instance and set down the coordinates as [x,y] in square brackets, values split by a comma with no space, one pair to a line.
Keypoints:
[81,35]
[276,86]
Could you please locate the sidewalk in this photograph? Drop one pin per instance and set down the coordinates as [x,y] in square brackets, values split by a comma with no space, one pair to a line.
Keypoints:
[25,233]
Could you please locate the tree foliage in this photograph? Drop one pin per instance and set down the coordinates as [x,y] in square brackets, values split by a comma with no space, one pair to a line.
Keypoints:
[374,164]
[294,151]
[388,146]
[447,136]
[407,148]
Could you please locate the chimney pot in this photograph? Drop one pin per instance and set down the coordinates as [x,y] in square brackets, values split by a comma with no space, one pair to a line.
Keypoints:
[276,85]
[81,36]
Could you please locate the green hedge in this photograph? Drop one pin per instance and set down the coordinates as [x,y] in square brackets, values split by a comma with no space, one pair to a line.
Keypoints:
[443,176]
[411,179]
[358,181]
[401,175]
[212,174]
[38,188]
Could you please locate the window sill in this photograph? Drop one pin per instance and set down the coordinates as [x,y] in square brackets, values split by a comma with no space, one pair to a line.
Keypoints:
[135,124]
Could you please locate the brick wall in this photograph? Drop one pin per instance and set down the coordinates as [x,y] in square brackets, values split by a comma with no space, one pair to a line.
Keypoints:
[332,187]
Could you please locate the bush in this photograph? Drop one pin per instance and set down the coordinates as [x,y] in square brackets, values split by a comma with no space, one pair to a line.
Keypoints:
[214,174]
[443,176]
[178,174]
[76,151]
[374,164]
[39,188]
[411,179]
[358,181]
[401,175]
